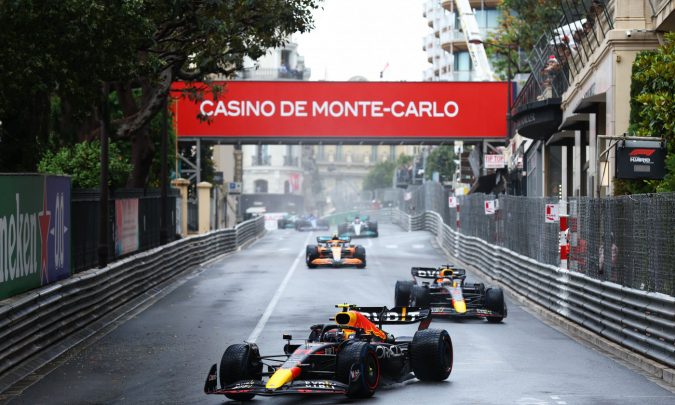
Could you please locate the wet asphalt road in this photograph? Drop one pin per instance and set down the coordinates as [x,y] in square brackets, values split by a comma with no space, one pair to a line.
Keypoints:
[162,354]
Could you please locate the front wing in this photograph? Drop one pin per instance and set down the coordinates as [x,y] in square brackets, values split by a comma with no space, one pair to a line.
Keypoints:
[257,387]
[327,261]
[448,311]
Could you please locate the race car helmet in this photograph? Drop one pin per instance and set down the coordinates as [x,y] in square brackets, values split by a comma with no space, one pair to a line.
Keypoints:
[444,275]
[333,335]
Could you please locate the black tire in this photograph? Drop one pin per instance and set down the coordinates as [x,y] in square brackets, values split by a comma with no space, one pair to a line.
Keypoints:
[360,253]
[364,355]
[420,297]
[431,354]
[311,253]
[373,227]
[240,362]
[342,229]
[494,301]
[402,292]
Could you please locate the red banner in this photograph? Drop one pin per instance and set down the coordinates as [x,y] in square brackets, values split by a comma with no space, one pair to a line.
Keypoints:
[358,110]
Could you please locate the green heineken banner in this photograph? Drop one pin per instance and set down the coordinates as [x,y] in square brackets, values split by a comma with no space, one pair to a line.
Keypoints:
[34,231]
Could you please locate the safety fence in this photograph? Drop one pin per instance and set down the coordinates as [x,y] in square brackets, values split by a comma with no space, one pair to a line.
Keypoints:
[629,240]
[33,323]
[638,320]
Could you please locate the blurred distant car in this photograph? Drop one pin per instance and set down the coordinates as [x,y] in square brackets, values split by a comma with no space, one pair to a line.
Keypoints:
[359,227]
[449,296]
[335,252]
[311,223]
[287,222]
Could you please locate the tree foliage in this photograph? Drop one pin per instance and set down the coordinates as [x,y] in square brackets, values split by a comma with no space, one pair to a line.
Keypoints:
[521,25]
[382,174]
[83,163]
[441,160]
[60,61]
[653,111]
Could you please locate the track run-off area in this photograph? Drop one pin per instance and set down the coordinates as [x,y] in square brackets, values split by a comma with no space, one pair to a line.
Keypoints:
[162,352]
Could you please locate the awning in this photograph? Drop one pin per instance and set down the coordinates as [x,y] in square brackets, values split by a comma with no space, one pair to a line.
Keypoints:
[574,122]
[563,138]
[590,104]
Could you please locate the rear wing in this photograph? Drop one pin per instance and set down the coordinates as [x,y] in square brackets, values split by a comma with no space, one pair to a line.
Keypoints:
[394,316]
[432,272]
[325,239]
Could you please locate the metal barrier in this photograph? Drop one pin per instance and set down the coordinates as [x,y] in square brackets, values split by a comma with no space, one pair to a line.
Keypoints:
[643,322]
[34,321]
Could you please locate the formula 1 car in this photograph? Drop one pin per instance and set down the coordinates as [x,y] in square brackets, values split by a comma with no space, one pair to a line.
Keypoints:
[353,356]
[359,226]
[311,223]
[335,251]
[448,295]
[287,222]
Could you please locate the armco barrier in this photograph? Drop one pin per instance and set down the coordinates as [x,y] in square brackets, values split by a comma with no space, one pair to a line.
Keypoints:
[641,321]
[32,322]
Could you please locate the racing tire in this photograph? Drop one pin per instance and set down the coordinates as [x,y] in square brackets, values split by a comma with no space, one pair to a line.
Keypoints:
[420,297]
[358,357]
[494,301]
[360,253]
[431,354]
[311,254]
[373,227]
[240,362]
[402,292]
[342,229]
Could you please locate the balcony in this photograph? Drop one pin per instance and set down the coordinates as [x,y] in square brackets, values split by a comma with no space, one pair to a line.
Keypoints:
[261,160]
[582,28]
[291,161]
[273,74]
[453,40]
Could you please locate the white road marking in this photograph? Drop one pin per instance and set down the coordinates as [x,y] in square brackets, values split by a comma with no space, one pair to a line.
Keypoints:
[273,303]
[418,246]
[392,246]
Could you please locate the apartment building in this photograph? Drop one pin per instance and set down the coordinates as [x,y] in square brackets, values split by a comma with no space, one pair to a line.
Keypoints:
[446,45]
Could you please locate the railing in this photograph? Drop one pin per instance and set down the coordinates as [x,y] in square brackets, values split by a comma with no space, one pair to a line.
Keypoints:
[273,74]
[85,222]
[291,161]
[582,28]
[40,325]
[261,160]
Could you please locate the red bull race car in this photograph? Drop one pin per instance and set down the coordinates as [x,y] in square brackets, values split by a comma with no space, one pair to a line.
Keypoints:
[335,251]
[352,356]
[448,295]
[359,227]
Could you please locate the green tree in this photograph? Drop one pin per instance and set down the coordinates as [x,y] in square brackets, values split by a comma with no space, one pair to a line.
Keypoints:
[382,174]
[653,111]
[521,25]
[60,61]
[441,160]
[83,163]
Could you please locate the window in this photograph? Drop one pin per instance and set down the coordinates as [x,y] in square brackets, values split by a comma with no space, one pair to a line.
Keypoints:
[462,61]
[260,186]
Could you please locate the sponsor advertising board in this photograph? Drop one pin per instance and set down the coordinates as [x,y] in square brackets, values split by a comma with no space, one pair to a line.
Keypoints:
[640,160]
[34,231]
[360,111]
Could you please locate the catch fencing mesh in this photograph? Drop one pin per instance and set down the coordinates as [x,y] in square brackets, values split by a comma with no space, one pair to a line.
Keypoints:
[629,240]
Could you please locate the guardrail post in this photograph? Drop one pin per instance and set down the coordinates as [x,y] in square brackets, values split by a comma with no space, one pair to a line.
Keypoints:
[204,207]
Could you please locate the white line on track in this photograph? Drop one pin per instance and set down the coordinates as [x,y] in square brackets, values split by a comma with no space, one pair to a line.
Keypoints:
[273,303]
